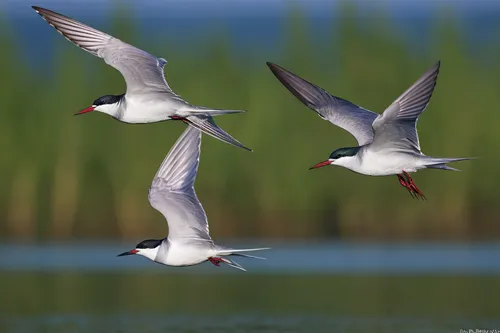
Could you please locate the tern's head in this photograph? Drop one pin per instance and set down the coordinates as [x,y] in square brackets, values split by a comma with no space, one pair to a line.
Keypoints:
[148,248]
[341,156]
[108,104]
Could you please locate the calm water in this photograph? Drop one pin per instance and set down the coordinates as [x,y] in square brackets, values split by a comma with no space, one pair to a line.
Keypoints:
[341,287]
[363,258]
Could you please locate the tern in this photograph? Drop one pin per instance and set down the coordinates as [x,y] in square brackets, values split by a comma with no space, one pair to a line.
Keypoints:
[388,143]
[172,194]
[148,97]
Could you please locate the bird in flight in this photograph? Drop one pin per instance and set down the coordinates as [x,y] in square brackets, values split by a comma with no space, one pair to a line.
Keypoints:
[148,97]
[172,194]
[388,143]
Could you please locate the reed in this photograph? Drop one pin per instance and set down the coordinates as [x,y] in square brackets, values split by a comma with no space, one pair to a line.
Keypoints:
[65,177]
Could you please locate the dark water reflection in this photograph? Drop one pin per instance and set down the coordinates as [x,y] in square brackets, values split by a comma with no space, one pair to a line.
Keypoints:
[235,324]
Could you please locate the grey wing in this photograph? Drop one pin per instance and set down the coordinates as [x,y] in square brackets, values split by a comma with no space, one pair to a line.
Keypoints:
[172,191]
[142,71]
[396,127]
[340,112]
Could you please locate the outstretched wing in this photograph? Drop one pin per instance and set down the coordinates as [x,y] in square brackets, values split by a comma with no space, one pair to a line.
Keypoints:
[354,119]
[172,191]
[142,71]
[396,128]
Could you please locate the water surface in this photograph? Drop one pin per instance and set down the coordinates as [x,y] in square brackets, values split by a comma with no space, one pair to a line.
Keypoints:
[296,258]
[340,287]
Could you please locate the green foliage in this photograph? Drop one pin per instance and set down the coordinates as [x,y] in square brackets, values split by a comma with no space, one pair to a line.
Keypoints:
[63,176]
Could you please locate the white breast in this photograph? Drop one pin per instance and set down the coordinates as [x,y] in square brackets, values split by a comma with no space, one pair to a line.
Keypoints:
[147,109]
[380,163]
[186,254]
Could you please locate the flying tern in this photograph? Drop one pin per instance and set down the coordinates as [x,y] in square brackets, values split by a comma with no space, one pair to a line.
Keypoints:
[388,143]
[148,97]
[172,194]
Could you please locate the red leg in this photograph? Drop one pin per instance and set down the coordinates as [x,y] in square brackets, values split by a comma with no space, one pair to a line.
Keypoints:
[179,118]
[403,181]
[413,188]
[215,260]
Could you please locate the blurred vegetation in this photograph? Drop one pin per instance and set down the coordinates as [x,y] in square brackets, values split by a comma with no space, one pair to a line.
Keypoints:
[76,177]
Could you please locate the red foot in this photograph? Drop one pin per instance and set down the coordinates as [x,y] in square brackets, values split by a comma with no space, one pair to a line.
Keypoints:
[402,181]
[407,182]
[216,261]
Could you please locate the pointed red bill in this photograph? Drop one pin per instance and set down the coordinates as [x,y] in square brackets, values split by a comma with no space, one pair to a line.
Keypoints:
[128,253]
[320,165]
[89,109]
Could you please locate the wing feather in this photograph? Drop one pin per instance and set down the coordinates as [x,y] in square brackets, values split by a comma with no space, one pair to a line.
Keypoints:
[142,71]
[396,127]
[172,191]
[340,112]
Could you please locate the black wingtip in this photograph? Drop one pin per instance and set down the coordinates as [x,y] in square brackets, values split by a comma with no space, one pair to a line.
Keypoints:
[280,73]
[274,68]
[241,146]
[437,65]
[43,12]
[39,10]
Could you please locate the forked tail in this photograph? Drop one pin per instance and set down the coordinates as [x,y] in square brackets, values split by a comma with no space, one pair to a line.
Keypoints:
[207,125]
[440,163]
[221,252]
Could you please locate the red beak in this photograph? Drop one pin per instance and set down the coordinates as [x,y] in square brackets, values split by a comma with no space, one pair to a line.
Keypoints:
[320,165]
[89,109]
[128,253]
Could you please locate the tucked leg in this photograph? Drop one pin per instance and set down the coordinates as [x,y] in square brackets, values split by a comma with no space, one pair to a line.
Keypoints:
[215,260]
[179,118]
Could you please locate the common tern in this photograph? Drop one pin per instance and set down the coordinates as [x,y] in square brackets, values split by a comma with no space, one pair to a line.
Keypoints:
[172,194]
[388,143]
[148,97]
